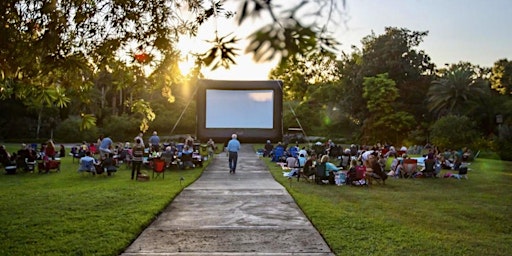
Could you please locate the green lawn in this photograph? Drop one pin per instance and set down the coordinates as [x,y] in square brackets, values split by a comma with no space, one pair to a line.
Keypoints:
[413,216]
[68,213]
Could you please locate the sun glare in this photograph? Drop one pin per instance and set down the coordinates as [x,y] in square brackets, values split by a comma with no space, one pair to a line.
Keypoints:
[244,69]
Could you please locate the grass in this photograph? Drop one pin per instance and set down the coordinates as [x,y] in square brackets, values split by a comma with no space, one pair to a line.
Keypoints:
[68,213]
[413,216]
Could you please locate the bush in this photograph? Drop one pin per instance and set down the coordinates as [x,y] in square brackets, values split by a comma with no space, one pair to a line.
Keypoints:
[454,132]
[69,131]
[121,128]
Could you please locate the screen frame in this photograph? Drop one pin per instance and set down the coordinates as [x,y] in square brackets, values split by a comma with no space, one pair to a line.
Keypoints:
[244,134]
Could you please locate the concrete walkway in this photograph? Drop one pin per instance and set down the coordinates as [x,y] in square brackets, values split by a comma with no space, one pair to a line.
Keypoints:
[247,213]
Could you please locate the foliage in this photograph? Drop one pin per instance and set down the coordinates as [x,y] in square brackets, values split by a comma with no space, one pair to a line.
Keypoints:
[302,75]
[454,132]
[384,122]
[143,109]
[288,35]
[394,53]
[501,77]
[456,89]
[119,128]
[70,130]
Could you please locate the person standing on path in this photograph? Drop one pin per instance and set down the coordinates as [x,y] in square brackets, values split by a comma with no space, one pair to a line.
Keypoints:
[233,148]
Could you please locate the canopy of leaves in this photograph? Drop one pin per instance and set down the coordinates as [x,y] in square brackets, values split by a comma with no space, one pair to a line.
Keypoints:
[384,122]
[501,77]
[456,89]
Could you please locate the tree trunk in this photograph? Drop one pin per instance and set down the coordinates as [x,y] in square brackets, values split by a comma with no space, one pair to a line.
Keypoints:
[39,118]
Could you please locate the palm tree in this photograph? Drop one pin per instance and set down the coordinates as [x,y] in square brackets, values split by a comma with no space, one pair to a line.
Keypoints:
[455,91]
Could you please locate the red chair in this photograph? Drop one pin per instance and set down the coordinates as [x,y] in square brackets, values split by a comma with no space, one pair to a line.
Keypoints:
[158,168]
[409,168]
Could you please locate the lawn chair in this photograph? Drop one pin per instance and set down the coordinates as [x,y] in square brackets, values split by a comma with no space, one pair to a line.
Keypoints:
[429,170]
[409,168]
[320,176]
[158,168]
[277,154]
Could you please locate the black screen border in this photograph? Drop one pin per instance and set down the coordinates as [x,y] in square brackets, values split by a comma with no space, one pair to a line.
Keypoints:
[244,134]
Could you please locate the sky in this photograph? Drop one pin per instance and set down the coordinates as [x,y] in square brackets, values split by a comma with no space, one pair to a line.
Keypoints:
[475,31]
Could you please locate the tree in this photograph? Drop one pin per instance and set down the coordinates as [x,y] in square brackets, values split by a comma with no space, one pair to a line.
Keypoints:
[385,122]
[395,53]
[45,40]
[456,90]
[302,75]
[501,77]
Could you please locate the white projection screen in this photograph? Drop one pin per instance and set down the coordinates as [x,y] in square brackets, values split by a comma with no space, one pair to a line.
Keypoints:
[251,109]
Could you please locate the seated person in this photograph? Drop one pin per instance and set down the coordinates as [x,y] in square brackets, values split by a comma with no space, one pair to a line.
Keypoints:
[292,163]
[4,155]
[304,152]
[445,163]
[391,152]
[345,159]
[351,173]
[302,160]
[186,157]
[330,168]
[377,170]
[23,155]
[268,149]
[309,166]
[87,163]
[108,164]
[168,156]
[457,162]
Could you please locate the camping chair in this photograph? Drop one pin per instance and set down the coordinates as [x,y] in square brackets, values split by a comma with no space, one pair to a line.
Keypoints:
[278,154]
[158,168]
[409,167]
[429,170]
[320,174]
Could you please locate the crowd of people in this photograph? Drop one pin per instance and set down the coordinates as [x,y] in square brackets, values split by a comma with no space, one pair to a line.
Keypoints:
[357,164]
[44,156]
[138,154]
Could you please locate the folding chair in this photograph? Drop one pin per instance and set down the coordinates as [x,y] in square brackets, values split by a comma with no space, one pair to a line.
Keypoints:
[320,176]
[429,170]
[409,168]
[158,168]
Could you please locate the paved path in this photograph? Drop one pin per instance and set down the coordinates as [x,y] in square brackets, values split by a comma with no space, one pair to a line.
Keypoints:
[247,213]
